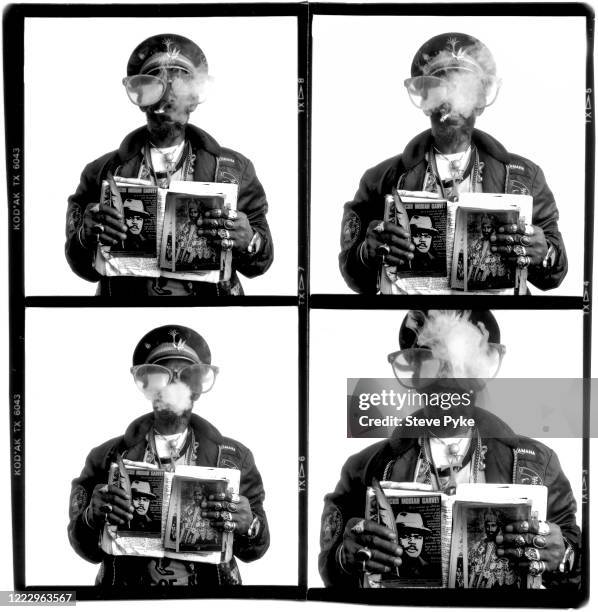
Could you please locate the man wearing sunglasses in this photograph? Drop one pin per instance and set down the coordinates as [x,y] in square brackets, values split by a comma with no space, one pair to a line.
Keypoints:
[167,78]
[172,368]
[449,352]
[453,79]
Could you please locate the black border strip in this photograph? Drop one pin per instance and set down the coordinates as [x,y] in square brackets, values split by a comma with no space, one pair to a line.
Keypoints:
[544,9]
[264,9]
[587,301]
[156,301]
[14,95]
[303,106]
[480,302]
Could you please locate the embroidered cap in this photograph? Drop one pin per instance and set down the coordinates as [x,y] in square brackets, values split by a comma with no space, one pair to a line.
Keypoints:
[172,341]
[168,50]
[453,51]
[414,322]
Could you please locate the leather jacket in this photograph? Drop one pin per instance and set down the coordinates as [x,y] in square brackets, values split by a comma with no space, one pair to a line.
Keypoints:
[213,450]
[125,162]
[503,172]
[509,459]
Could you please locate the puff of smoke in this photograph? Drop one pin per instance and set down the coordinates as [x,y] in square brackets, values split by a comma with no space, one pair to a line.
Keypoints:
[185,93]
[174,398]
[466,84]
[453,338]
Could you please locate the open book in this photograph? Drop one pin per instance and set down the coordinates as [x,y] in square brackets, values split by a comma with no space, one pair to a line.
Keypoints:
[452,243]
[448,541]
[162,224]
[167,519]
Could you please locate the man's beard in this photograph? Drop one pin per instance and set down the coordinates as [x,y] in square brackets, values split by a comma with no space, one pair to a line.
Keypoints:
[173,404]
[162,130]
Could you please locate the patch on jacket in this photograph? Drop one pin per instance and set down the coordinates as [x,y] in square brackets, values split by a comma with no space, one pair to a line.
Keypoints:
[526,451]
[517,167]
[526,475]
[332,523]
[79,500]
[228,457]
[351,229]
[517,187]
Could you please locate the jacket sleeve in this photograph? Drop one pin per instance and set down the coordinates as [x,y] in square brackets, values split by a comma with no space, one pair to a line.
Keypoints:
[367,205]
[345,502]
[546,215]
[81,257]
[84,539]
[252,201]
[245,548]
[561,510]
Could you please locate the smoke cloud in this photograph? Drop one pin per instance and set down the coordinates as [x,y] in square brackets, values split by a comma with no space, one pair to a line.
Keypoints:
[452,337]
[175,398]
[469,88]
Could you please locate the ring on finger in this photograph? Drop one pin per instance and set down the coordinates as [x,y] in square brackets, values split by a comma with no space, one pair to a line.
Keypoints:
[539,541]
[536,568]
[364,552]
[224,233]
[533,554]
[229,526]
[232,507]
[227,244]
[508,249]
[383,249]
[107,508]
[528,230]
[229,224]
[509,239]
[232,214]
[226,516]
[520,250]
[523,261]
[519,540]
[518,552]
[525,241]
[99,228]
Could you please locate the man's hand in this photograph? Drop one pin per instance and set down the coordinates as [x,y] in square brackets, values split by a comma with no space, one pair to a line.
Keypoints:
[230,229]
[231,512]
[381,543]
[390,240]
[533,540]
[520,240]
[110,504]
[102,223]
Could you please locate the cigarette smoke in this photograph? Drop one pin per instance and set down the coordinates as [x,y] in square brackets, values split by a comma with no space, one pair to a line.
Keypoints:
[464,91]
[452,337]
[175,398]
[185,93]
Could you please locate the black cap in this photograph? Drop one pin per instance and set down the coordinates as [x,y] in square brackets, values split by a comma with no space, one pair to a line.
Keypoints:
[166,50]
[172,341]
[414,322]
[453,51]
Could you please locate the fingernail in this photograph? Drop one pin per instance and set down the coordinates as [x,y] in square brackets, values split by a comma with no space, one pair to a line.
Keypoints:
[493,249]
[493,238]
[203,515]
[130,517]
[409,255]
[386,568]
[498,539]
[509,528]
[500,552]
[131,509]
[412,247]
[398,551]
[501,230]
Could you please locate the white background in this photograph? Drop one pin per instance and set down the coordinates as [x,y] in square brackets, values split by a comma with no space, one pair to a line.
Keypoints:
[77,109]
[355,344]
[362,115]
[80,393]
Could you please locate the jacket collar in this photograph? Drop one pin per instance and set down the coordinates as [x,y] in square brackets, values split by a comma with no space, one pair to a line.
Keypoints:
[134,142]
[139,428]
[417,148]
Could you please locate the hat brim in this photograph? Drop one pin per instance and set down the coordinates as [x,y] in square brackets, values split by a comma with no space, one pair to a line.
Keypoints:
[422,230]
[422,530]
